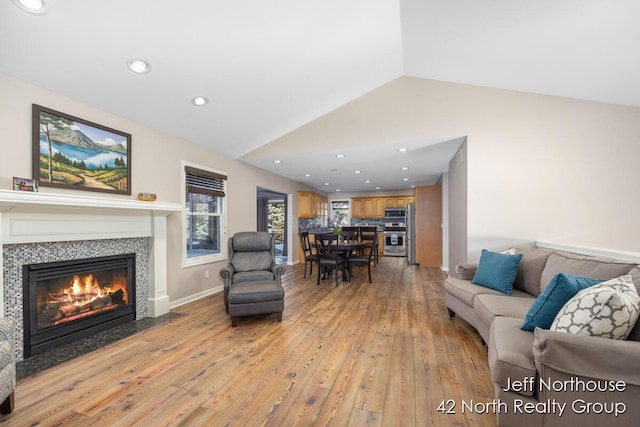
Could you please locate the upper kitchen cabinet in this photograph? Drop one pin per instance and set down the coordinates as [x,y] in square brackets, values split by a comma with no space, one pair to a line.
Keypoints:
[312,205]
[373,207]
[398,201]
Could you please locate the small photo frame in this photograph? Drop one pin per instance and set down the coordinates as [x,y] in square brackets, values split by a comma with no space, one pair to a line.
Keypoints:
[25,184]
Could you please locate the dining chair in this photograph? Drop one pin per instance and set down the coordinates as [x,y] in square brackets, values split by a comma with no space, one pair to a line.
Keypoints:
[307,250]
[365,259]
[350,236]
[329,257]
[369,234]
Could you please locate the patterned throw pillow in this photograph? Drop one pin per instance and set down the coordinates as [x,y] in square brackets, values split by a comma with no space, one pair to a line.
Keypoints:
[609,310]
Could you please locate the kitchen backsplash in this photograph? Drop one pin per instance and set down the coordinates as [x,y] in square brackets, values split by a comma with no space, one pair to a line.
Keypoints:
[309,224]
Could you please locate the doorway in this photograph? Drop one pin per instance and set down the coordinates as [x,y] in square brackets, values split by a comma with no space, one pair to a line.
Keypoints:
[272,218]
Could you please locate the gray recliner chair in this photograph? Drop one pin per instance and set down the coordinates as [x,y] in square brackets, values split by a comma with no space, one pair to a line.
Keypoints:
[7,366]
[254,274]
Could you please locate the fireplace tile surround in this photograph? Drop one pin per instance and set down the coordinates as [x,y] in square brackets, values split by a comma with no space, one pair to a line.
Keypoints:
[41,227]
[15,256]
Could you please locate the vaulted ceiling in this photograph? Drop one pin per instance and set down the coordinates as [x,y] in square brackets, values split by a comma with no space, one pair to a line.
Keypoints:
[268,68]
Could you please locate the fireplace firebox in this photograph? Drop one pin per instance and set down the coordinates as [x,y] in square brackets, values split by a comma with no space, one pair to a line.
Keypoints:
[69,300]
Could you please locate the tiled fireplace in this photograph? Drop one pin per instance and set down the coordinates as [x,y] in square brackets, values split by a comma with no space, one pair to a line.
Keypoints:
[40,230]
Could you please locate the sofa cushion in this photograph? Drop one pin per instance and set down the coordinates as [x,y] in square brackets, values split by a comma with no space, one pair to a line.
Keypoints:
[255,292]
[252,276]
[608,310]
[561,289]
[530,270]
[635,276]
[487,307]
[510,353]
[582,265]
[465,291]
[497,271]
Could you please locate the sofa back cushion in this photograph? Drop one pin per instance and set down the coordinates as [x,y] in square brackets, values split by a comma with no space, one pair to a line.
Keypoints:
[582,265]
[530,269]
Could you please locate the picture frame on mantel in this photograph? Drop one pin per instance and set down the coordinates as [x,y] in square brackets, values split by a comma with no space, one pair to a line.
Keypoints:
[70,152]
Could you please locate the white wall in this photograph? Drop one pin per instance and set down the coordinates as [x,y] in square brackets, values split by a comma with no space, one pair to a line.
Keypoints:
[156,167]
[539,167]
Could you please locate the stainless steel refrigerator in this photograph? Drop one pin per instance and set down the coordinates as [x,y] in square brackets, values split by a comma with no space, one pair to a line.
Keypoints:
[411,233]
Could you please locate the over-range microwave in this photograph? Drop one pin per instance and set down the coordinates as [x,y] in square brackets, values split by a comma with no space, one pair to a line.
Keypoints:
[395,214]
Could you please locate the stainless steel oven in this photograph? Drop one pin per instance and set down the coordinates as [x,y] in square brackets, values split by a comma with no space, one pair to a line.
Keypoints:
[395,236]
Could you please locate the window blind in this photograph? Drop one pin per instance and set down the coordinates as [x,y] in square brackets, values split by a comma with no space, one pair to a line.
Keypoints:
[205,182]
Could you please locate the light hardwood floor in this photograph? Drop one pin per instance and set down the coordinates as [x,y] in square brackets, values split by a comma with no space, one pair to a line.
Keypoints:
[381,354]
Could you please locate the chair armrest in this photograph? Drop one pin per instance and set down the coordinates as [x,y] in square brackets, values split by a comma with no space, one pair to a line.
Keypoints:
[227,273]
[588,357]
[6,329]
[466,271]
[278,270]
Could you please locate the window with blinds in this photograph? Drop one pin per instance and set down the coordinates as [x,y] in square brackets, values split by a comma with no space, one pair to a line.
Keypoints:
[205,191]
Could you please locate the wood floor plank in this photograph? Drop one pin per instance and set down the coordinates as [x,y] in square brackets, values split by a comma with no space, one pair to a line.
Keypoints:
[380,354]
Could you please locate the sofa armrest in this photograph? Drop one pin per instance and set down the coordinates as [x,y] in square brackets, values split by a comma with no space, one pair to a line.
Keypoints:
[590,357]
[227,273]
[588,372]
[6,329]
[278,270]
[466,271]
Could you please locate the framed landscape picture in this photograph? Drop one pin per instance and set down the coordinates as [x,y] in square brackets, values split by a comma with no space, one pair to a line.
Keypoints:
[69,152]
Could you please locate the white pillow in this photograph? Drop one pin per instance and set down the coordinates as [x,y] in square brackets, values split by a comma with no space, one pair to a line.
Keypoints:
[609,310]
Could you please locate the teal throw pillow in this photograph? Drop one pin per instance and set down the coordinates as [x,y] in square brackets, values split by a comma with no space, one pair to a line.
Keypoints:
[497,271]
[560,290]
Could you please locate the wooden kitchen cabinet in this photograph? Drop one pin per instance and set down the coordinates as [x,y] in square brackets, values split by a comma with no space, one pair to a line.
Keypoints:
[304,204]
[357,207]
[402,202]
[373,207]
[362,207]
[312,205]
[378,207]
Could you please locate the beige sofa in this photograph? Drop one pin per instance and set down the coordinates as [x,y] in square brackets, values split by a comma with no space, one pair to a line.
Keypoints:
[552,372]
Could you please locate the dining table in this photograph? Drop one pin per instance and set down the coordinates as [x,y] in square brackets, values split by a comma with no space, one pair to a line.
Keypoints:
[344,247]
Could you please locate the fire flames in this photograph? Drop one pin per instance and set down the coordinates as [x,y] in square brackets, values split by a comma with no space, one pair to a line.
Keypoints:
[83,297]
[79,294]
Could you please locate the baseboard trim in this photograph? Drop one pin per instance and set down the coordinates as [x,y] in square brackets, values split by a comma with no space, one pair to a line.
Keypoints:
[196,297]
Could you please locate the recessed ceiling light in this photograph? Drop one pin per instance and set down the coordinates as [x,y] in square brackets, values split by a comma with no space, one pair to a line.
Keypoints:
[340,156]
[377,188]
[367,181]
[307,175]
[413,186]
[357,171]
[139,66]
[326,183]
[405,168]
[337,189]
[199,101]
[403,150]
[405,179]
[37,7]
[277,161]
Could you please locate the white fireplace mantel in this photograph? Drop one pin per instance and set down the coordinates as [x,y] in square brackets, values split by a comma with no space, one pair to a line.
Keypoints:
[44,217]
